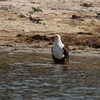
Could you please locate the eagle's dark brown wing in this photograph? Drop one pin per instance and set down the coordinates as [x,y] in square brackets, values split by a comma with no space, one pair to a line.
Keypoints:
[66,52]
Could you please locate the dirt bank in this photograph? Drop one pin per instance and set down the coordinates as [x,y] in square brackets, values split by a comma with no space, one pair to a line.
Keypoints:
[32,23]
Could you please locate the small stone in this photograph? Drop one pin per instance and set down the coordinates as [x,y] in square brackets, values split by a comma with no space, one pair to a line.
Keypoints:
[23,15]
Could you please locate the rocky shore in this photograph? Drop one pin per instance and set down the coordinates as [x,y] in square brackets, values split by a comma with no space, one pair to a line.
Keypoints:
[31,24]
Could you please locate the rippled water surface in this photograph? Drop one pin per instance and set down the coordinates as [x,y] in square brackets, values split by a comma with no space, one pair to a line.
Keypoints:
[31,76]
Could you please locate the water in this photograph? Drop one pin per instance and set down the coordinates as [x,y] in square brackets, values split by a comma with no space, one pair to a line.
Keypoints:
[31,76]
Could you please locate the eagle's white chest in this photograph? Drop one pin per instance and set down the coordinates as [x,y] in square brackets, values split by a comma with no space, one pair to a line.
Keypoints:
[58,52]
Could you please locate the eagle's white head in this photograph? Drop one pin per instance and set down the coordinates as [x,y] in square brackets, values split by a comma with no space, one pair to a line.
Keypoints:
[57,41]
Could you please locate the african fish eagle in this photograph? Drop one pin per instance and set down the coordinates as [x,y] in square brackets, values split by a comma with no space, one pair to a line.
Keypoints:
[60,53]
